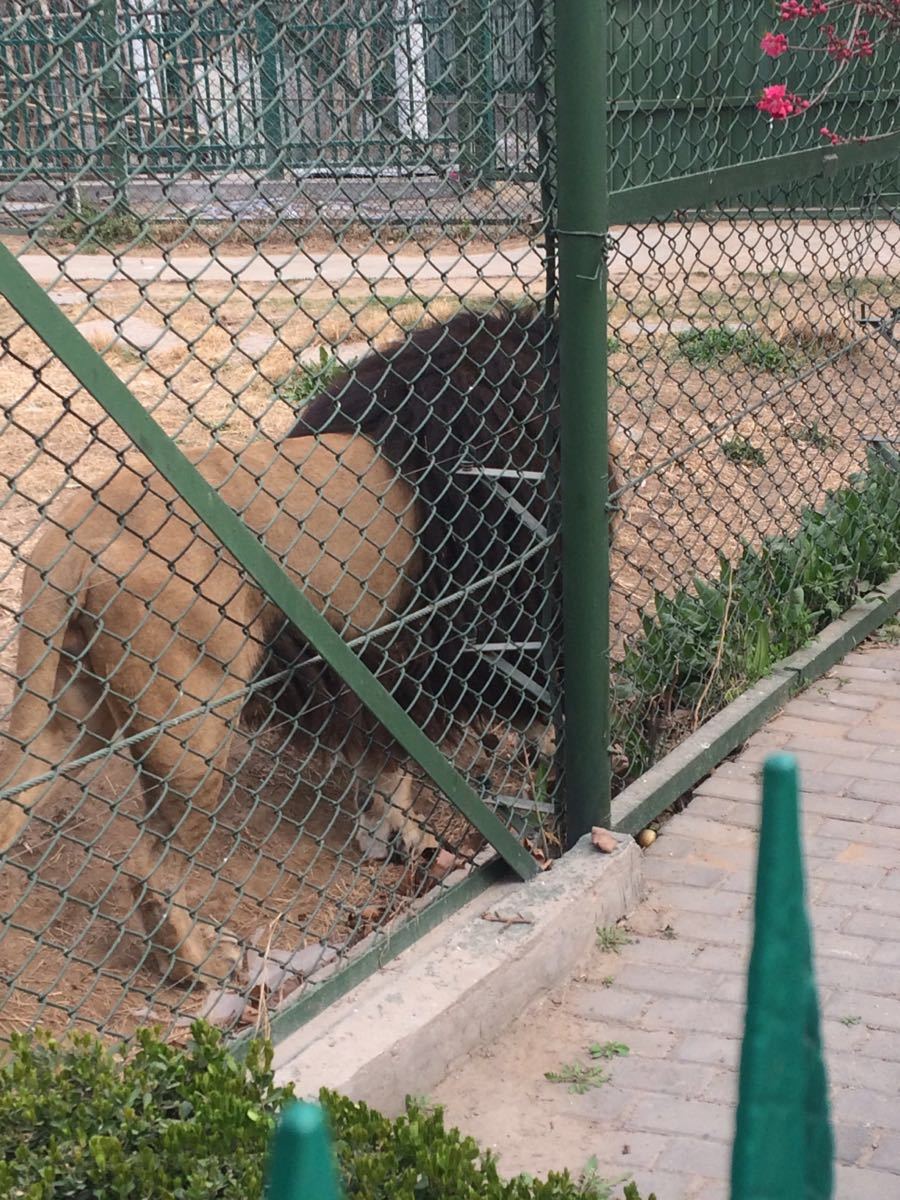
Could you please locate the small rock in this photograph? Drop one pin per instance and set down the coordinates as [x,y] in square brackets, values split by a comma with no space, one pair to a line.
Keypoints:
[264,973]
[604,841]
[270,970]
[222,1008]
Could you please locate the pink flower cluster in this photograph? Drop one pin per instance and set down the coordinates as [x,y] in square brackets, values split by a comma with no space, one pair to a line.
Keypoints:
[779,103]
[774,44]
[792,10]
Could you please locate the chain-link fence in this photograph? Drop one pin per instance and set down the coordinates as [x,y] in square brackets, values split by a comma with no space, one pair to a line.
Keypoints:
[319,249]
[753,375]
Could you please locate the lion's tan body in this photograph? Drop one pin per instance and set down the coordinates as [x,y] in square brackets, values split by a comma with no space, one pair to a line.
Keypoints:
[132,615]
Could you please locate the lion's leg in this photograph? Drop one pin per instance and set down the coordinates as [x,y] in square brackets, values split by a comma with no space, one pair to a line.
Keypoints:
[21,765]
[77,723]
[181,766]
[387,819]
[181,788]
[166,675]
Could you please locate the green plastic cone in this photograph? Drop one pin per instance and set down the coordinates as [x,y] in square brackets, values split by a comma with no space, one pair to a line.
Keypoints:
[301,1163]
[783,1146]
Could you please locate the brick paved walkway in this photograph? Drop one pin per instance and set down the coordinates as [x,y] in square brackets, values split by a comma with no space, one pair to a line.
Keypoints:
[674,994]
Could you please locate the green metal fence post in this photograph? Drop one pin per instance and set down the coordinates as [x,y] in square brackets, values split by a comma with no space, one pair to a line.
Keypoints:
[783,1146]
[475,111]
[270,95]
[113,101]
[581,87]
[484,141]
[301,1162]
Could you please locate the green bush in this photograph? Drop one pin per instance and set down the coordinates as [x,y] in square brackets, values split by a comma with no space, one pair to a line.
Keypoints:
[703,647]
[81,1122]
[105,229]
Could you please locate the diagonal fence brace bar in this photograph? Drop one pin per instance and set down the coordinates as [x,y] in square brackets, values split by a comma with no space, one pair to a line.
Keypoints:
[89,368]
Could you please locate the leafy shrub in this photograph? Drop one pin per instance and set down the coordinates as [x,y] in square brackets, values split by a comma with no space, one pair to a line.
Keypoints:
[80,1122]
[309,379]
[709,347]
[705,646]
[91,226]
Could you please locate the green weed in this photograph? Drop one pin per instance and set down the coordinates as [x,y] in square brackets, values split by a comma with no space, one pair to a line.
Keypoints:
[608,1050]
[812,434]
[739,450]
[612,938]
[91,226]
[714,346]
[596,1187]
[579,1077]
[308,380]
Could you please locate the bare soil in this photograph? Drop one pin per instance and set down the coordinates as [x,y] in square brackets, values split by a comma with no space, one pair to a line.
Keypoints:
[280,865]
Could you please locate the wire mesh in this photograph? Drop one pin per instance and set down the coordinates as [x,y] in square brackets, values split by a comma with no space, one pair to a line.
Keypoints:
[216,823]
[339,221]
[753,357]
[753,373]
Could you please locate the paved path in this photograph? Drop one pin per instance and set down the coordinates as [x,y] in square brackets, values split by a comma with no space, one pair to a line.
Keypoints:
[674,994]
[656,250]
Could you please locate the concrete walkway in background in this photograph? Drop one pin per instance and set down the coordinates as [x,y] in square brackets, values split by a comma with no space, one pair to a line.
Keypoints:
[674,994]
[823,248]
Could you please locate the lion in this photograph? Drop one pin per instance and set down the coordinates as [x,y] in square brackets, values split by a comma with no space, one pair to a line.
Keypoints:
[133,616]
[136,624]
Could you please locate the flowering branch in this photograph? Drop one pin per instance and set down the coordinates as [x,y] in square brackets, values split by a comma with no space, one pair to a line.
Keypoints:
[843,47]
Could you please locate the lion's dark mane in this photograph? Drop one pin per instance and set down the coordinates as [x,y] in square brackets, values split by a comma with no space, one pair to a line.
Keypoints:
[478,391]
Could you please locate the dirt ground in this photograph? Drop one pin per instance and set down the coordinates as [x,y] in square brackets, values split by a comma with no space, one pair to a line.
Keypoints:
[280,868]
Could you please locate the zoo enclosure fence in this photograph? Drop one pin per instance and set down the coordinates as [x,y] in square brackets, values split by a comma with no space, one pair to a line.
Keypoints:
[749,360]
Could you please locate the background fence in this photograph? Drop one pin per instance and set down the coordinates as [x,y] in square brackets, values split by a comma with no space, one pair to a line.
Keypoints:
[404,86]
[156,185]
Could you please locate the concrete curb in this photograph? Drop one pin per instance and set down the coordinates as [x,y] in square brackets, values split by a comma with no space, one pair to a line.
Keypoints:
[401,1030]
